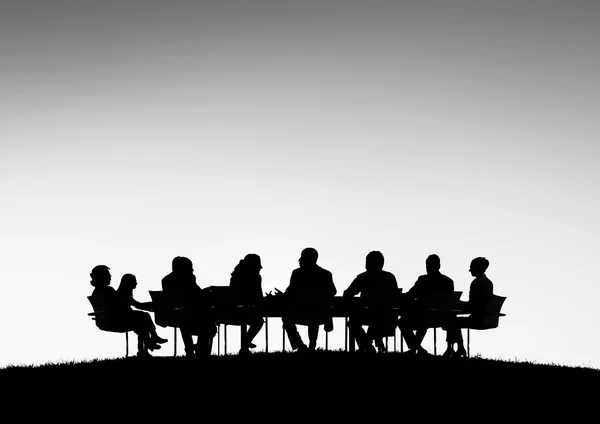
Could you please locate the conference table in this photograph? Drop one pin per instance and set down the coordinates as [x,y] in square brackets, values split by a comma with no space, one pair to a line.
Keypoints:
[275,307]
[227,310]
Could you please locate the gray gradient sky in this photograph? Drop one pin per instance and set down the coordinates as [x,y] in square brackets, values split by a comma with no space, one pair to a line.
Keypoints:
[134,132]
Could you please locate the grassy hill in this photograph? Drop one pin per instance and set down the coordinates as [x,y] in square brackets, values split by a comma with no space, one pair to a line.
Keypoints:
[334,384]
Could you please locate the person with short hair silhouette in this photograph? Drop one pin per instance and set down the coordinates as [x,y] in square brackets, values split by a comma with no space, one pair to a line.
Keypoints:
[377,288]
[247,283]
[103,292]
[481,292]
[181,283]
[141,321]
[309,284]
[416,318]
[118,304]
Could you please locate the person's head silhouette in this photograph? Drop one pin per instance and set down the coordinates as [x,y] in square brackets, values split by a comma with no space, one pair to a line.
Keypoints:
[432,264]
[181,264]
[100,276]
[128,284]
[308,257]
[479,266]
[374,261]
[252,263]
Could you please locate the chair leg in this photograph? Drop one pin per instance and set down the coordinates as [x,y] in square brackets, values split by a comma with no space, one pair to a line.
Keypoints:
[468,342]
[127,344]
[283,338]
[401,343]
[219,339]
[243,334]
[174,341]
[434,341]
[346,334]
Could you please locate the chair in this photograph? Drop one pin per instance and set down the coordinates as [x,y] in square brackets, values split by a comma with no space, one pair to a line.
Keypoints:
[167,313]
[439,303]
[225,311]
[228,308]
[310,307]
[107,321]
[389,314]
[490,320]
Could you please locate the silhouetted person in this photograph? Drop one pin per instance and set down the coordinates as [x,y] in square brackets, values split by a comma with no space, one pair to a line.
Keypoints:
[378,289]
[416,300]
[140,321]
[103,292]
[181,284]
[247,283]
[480,293]
[118,304]
[309,280]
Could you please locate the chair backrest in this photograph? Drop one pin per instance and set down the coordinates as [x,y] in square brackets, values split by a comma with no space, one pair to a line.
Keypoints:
[165,312]
[492,312]
[107,320]
[97,304]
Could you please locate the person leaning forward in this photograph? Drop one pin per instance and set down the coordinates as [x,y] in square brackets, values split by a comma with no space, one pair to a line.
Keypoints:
[310,290]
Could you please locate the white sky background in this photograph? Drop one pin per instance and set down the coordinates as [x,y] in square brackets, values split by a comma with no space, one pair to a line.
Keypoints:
[133,132]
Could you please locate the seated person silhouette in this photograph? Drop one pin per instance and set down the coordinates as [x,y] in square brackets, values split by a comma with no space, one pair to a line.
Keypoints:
[480,293]
[118,304]
[103,292]
[181,284]
[247,283]
[311,288]
[142,321]
[416,318]
[378,289]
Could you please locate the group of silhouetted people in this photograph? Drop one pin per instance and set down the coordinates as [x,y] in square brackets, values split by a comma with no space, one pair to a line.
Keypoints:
[119,304]
[311,288]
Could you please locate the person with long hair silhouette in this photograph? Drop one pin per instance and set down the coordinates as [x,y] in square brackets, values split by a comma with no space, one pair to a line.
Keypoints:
[310,287]
[247,283]
[118,304]
[378,289]
[414,322]
[142,321]
[480,293]
[181,284]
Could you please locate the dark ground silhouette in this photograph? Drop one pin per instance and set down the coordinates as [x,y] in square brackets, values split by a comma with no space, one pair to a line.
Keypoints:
[321,385]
